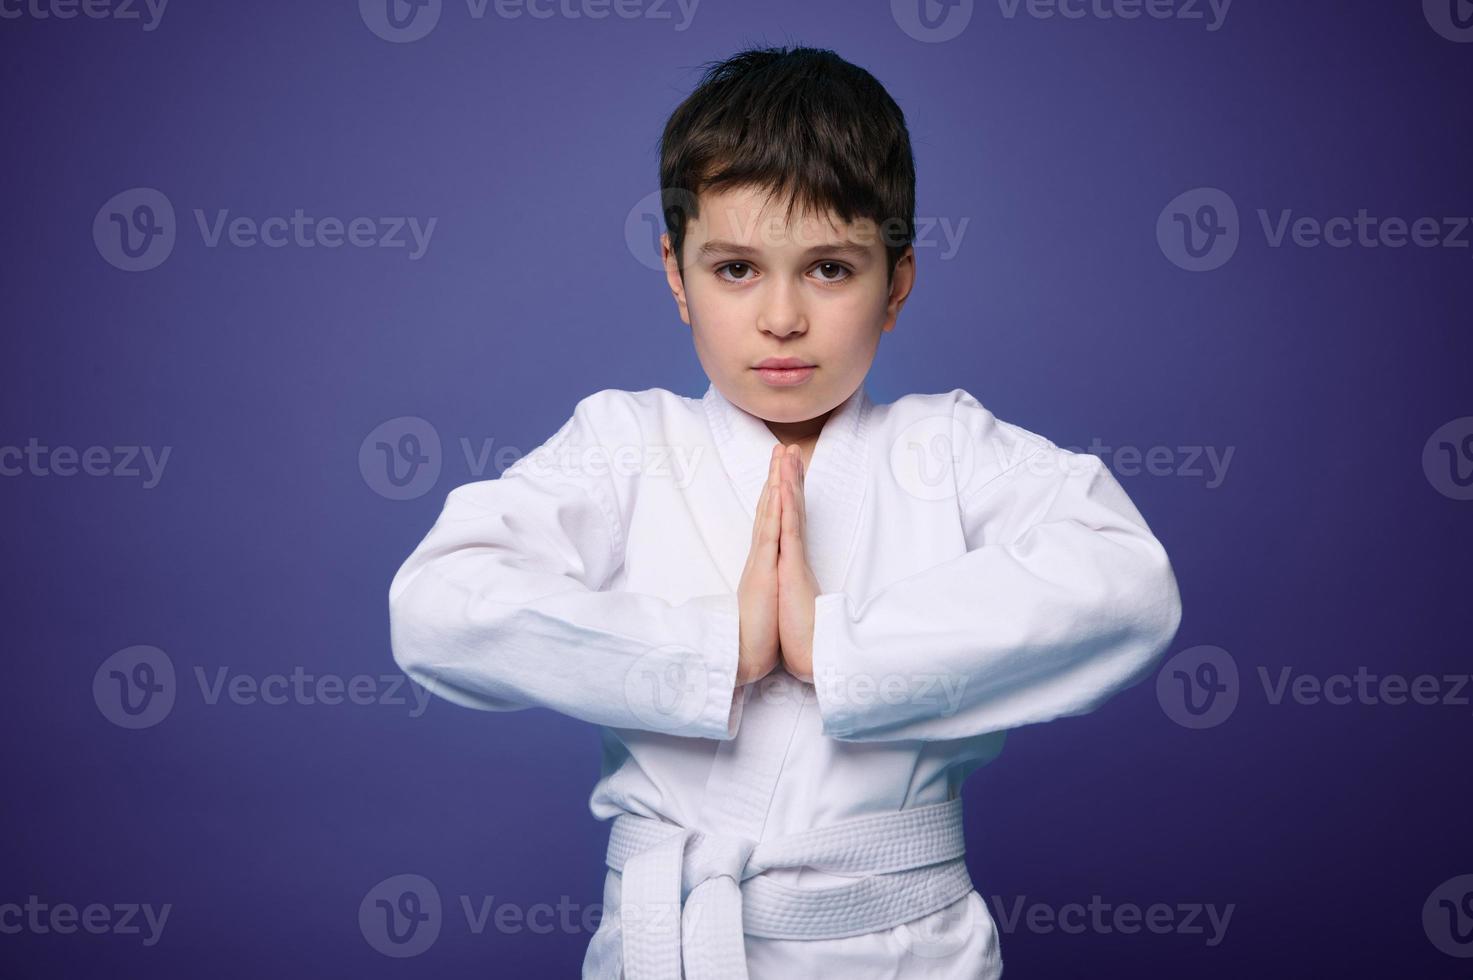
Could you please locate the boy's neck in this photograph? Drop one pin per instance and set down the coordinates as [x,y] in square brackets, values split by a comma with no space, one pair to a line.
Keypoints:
[804,433]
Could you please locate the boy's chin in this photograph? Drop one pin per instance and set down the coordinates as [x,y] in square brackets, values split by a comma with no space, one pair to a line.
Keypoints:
[799,403]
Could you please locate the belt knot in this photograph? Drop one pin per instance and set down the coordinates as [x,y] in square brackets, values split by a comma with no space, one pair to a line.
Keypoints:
[710,856]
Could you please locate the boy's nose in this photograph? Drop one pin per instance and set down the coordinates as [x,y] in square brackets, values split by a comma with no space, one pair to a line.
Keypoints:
[782,313]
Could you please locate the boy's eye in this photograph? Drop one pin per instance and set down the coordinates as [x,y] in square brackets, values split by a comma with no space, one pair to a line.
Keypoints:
[834,270]
[743,267]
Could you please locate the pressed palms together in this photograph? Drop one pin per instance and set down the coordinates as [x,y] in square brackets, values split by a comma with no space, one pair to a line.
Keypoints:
[776,595]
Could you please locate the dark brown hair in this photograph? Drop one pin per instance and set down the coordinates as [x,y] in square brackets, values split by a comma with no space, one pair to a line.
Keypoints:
[801,122]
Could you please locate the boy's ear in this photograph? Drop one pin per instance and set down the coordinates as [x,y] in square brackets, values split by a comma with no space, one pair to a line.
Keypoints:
[901,283]
[673,276]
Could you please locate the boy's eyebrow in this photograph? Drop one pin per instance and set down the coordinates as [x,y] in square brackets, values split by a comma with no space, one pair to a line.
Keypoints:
[720,247]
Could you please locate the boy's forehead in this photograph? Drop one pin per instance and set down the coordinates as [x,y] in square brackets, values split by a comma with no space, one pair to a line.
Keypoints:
[756,217]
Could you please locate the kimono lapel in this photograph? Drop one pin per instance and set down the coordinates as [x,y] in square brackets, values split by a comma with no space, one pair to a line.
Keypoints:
[745,770]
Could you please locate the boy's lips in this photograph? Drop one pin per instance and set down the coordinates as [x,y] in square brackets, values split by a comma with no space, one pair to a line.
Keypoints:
[783,372]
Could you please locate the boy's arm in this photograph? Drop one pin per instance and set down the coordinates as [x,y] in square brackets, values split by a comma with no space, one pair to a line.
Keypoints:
[1064,598]
[500,606]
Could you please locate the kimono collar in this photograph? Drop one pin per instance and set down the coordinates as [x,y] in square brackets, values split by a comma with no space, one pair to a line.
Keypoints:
[834,482]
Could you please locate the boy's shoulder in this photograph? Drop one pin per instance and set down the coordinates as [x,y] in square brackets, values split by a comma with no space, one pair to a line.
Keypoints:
[956,423]
[611,410]
[960,412]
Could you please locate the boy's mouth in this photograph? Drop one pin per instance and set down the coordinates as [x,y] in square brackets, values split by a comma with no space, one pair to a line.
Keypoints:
[784,371]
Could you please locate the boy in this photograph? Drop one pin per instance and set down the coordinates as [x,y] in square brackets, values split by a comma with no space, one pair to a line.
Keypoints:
[800,618]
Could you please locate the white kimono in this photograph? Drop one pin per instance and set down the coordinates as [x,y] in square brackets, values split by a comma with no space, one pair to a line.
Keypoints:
[974,577]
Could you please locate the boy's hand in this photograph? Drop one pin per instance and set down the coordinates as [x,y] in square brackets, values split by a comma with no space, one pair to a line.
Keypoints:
[757,593]
[798,588]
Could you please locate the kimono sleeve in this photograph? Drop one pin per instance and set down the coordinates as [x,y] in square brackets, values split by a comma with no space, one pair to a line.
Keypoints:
[1063,598]
[503,606]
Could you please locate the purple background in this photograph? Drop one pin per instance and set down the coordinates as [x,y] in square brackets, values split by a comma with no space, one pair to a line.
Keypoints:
[1326,547]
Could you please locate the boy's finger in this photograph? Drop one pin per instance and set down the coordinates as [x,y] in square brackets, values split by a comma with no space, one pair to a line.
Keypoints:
[769,523]
[794,480]
[790,536]
[762,500]
[799,500]
[767,490]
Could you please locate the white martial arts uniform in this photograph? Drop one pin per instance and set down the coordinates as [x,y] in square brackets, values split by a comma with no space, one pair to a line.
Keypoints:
[974,577]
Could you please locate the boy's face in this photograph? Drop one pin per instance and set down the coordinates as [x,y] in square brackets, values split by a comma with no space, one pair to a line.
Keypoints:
[758,287]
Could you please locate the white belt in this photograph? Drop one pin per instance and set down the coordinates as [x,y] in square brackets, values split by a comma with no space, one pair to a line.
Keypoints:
[688,897]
